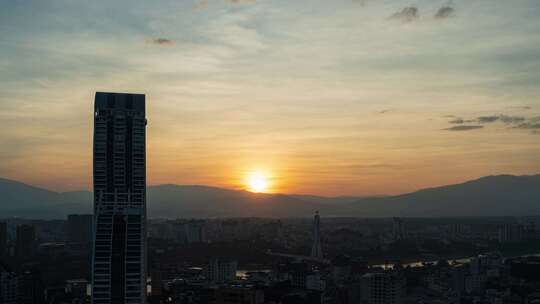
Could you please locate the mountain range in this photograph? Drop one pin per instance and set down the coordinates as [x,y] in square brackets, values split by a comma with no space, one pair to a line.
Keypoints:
[502,195]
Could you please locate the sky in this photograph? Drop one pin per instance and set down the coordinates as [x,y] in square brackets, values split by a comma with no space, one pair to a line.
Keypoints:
[344,97]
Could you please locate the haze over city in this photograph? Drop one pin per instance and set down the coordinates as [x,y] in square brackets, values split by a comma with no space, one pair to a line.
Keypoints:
[328,98]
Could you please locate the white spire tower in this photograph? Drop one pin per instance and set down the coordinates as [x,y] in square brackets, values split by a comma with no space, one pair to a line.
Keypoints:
[316,250]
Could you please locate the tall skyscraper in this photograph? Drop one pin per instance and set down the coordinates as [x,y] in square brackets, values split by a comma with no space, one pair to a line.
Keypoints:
[119,251]
[316,249]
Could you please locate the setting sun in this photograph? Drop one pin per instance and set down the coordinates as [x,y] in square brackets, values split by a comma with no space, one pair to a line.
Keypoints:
[257,182]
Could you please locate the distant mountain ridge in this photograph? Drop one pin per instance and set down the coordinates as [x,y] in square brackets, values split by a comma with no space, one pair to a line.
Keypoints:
[502,195]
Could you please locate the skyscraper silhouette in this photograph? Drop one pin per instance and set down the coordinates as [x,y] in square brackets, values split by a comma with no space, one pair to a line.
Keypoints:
[119,250]
[316,250]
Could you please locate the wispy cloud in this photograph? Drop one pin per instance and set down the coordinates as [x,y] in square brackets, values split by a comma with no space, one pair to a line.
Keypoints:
[487,119]
[530,124]
[507,119]
[162,41]
[513,121]
[445,12]
[464,128]
[458,121]
[406,15]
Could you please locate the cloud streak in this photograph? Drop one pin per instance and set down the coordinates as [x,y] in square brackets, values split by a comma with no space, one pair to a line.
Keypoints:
[444,12]
[162,41]
[464,128]
[487,119]
[507,119]
[530,124]
[514,122]
[406,15]
[511,119]
[459,121]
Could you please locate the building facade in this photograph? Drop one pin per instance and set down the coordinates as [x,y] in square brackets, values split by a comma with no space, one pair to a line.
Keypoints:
[79,233]
[8,286]
[221,270]
[26,241]
[382,288]
[3,239]
[119,247]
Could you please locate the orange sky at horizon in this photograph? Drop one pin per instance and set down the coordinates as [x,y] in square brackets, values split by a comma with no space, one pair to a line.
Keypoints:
[375,166]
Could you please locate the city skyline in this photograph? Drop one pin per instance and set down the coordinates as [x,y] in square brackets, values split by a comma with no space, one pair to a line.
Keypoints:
[345,98]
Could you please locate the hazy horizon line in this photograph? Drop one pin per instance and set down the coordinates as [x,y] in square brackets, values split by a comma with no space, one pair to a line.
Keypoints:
[290,194]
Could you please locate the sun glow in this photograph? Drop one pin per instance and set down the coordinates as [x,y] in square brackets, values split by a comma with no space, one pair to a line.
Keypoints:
[257,182]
